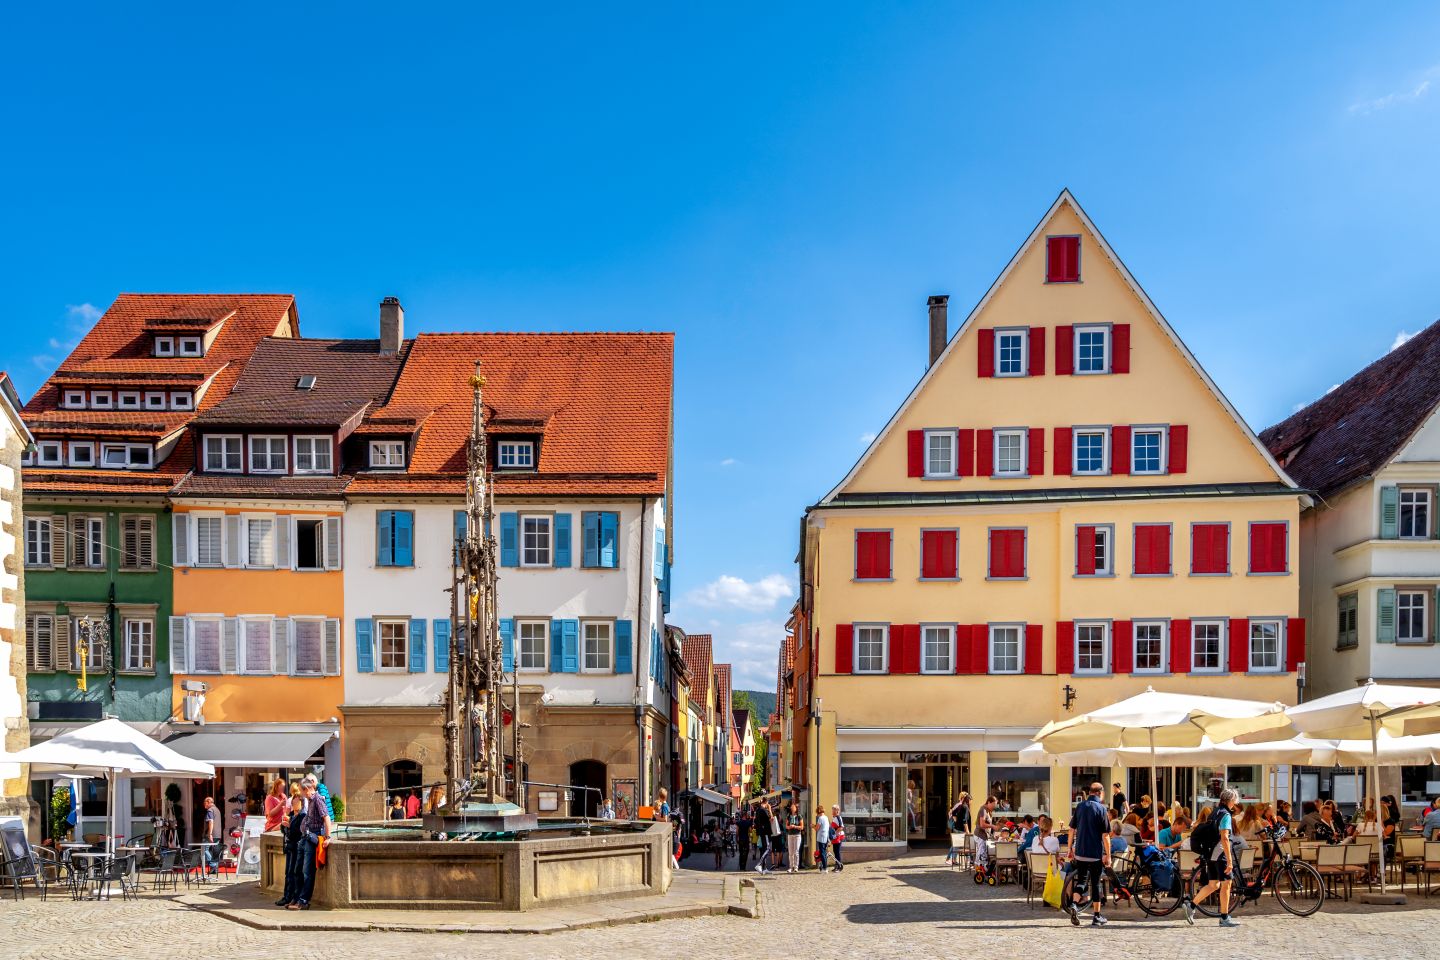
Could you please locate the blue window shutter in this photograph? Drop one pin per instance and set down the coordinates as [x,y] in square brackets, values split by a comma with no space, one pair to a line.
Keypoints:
[459,533]
[609,537]
[557,646]
[590,532]
[507,645]
[623,644]
[654,645]
[384,538]
[659,552]
[570,632]
[404,538]
[562,539]
[364,646]
[442,646]
[509,540]
[665,584]
[417,646]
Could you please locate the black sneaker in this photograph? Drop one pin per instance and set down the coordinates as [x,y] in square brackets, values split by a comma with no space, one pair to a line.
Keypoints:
[1098,921]
[282,902]
[1074,914]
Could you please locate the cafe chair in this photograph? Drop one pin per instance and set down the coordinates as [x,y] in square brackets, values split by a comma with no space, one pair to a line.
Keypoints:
[1409,856]
[1038,867]
[1330,864]
[164,870]
[18,871]
[961,843]
[1007,860]
[1431,864]
[1357,864]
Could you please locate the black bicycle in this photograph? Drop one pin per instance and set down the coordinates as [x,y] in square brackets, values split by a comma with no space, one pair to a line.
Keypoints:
[1153,885]
[1297,885]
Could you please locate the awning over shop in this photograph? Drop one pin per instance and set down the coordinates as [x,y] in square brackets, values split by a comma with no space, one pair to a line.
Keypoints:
[235,748]
[708,796]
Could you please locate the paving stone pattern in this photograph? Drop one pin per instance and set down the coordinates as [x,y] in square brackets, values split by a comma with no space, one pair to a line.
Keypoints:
[909,908]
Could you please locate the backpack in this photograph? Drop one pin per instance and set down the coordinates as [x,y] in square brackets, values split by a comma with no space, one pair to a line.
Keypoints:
[1206,836]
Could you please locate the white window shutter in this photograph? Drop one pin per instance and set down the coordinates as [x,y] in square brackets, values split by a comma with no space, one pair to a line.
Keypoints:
[179,648]
[58,541]
[332,648]
[234,540]
[280,645]
[146,541]
[332,543]
[230,646]
[63,649]
[180,527]
[284,524]
[79,547]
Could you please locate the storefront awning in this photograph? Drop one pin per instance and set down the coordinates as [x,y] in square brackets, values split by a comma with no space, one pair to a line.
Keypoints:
[709,796]
[245,749]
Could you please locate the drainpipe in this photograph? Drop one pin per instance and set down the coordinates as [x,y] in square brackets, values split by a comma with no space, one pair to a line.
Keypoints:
[110,615]
[640,785]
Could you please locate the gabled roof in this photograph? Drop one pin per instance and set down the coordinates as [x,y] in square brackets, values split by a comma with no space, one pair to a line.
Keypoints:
[10,401]
[697,649]
[600,403]
[1356,429]
[741,718]
[1036,234]
[722,691]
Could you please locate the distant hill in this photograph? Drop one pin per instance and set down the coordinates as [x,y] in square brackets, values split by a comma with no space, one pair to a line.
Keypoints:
[764,701]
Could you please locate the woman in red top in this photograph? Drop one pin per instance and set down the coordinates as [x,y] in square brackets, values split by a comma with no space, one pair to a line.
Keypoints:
[276,802]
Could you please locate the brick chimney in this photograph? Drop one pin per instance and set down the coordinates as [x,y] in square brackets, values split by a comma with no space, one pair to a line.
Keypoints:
[392,326]
[939,326]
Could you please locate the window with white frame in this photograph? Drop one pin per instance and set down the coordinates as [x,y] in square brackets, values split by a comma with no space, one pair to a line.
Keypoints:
[309,634]
[937,653]
[1092,652]
[101,399]
[37,542]
[209,540]
[139,645]
[75,399]
[939,453]
[181,400]
[530,641]
[1009,453]
[1207,652]
[394,639]
[535,540]
[122,455]
[1149,646]
[260,541]
[82,454]
[598,637]
[1147,450]
[1265,636]
[267,454]
[1005,648]
[1092,349]
[97,642]
[1347,626]
[1412,616]
[223,454]
[155,400]
[87,537]
[164,346]
[312,455]
[309,543]
[128,400]
[515,454]
[871,648]
[190,347]
[1104,554]
[205,644]
[1090,451]
[49,453]
[387,454]
[1415,507]
[256,635]
[1010,349]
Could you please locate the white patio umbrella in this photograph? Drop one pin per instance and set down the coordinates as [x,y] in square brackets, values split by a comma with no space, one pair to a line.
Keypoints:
[1362,713]
[1152,720]
[107,748]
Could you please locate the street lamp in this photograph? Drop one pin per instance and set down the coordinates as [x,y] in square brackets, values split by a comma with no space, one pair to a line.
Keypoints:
[90,631]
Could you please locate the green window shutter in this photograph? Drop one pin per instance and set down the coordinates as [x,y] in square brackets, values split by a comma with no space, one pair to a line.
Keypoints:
[1389,513]
[1385,615]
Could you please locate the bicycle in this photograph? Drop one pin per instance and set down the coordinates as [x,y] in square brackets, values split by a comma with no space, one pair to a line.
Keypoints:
[1126,879]
[1297,885]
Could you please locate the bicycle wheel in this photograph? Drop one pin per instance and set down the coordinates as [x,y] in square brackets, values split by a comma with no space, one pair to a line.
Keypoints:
[1299,888]
[1210,905]
[1154,901]
[1068,892]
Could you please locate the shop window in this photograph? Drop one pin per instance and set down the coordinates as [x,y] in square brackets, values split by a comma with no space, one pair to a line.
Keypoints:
[867,801]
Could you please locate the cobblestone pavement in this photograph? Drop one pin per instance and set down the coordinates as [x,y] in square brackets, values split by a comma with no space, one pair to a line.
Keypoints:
[911,908]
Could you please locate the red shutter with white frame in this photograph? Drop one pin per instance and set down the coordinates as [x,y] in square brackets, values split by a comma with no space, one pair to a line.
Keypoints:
[1179,444]
[1064,350]
[1120,345]
[1119,450]
[1036,438]
[985,359]
[1122,647]
[916,451]
[844,648]
[984,452]
[1064,464]
[1034,648]
[1239,645]
[966,463]
[1037,351]
[1065,647]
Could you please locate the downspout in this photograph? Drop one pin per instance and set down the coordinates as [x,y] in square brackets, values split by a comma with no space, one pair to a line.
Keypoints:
[634,659]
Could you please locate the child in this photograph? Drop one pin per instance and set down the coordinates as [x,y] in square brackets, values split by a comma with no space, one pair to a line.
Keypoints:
[293,828]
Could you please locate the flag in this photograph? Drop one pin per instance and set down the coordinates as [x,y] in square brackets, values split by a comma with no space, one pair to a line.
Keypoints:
[73,816]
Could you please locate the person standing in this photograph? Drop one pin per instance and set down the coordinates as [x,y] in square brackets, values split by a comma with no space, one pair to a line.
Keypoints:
[412,805]
[607,809]
[837,836]
[1117,798]
[212,819]
[1089,854]
[958,821]
[743,824]
[1219,865]
[662,813]
[290,829]
[794,833]
[313,825]
[276,806]
[397,808]
[822,837]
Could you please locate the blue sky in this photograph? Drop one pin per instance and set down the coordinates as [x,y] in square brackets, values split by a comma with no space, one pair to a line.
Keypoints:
[782,185]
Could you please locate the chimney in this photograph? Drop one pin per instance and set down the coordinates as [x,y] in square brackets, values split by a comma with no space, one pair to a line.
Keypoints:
[392,326]
[939,326]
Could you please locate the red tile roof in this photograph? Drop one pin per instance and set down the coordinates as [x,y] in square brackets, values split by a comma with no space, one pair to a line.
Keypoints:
[697,649]
[601,403]
[722,690]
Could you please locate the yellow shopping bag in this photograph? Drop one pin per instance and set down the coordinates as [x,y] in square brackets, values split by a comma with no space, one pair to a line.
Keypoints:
[1054,885]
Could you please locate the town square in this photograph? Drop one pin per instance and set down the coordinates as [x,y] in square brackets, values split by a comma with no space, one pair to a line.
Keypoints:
[845,479]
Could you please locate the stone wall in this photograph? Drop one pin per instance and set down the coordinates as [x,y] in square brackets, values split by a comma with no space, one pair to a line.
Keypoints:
[375,736]
[14,797]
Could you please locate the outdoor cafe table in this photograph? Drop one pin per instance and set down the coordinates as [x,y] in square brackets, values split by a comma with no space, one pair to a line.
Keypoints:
[93,859]
[138,850]
[204,867]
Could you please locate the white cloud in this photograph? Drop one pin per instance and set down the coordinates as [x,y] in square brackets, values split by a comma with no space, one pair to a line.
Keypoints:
[1401,339]
[737,593]
[1407,95]
[867,438]
[82,314]
[729,462]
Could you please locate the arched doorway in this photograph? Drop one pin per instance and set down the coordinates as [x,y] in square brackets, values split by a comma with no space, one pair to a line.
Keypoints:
[401,777]
[586,773]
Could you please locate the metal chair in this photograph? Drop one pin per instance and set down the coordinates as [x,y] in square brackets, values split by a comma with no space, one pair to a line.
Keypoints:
[1039,866]
[192,861]
[17,871]
[115,870]
[163,869]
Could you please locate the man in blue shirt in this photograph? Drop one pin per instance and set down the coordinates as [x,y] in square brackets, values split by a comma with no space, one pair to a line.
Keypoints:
[1031,831]
[1089,854]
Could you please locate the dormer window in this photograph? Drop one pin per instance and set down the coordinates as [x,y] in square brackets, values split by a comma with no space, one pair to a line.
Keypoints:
[155,400]
[267,454]
[191,347]
[48,453]
[82,454]
[129,400]
[164,346]
[182,401]
[387,454]
[515,455]
[75,399]
[122,455]
[222,454]
[102,399]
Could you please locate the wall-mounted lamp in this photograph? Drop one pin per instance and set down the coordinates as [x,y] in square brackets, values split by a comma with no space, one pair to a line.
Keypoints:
[1069,696]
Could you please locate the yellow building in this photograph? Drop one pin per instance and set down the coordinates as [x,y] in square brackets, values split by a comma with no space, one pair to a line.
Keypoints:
[1064,511]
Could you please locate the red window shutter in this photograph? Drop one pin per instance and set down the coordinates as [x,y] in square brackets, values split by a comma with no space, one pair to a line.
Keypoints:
[980,648]
[1062,259]
[985,365]
[1239,645]
[1064,350]
[844,648]
[1007,553]
[872,555]
[1065,647]
[1268,547]
[1152,548]
[967,454]
[1122,648]
[1294,643]
[1036,436]
[962,647]
[1085,551]
[928,547]
[1120,346]
[1037,351]
[904,646]
[1119,450]
[984,452]
[1179,442]
[938,555]
[916,440]
[1064,464]
[1180,646]
[1034,648]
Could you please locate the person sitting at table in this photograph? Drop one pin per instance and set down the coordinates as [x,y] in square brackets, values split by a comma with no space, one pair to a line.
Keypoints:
[1367,826]
[1389,822]
[1430,822]
[1309,816]
[1029,831]
[1172,835]
[1327,829]
[1254,820]
[1130,828]
[1282,812]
